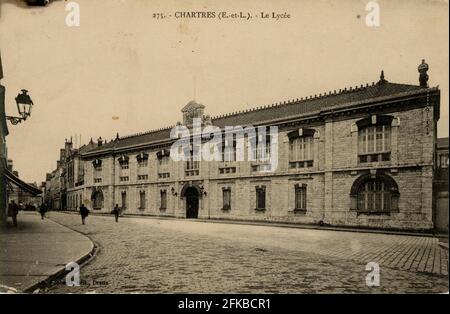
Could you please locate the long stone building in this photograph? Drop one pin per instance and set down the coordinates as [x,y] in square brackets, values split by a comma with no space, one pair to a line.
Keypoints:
[359,156]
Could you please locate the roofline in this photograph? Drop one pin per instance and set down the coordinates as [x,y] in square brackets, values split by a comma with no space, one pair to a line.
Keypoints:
[311,115]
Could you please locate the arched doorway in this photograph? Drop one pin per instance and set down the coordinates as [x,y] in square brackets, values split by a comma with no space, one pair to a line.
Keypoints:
[192,200]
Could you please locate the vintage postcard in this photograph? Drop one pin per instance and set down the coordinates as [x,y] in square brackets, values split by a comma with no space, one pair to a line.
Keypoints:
[224,147]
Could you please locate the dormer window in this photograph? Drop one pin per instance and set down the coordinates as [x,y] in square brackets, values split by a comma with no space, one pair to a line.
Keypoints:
[163,156]
[124,162]
[142,160]
[97,163]
[374,139]
[301,148]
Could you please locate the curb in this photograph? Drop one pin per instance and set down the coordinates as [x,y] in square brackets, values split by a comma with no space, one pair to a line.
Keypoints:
[84,258]
[271,224]
[443,245]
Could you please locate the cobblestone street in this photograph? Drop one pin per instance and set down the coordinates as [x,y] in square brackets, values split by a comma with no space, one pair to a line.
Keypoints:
[186,256]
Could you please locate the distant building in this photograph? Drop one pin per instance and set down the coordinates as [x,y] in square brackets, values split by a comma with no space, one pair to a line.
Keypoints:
[16,193]
[361,156]
[64,185]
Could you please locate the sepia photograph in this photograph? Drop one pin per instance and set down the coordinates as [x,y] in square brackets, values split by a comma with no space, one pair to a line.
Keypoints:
[224,152]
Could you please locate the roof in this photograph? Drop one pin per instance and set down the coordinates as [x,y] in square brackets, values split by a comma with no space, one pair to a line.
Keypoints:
[442,142]
[298,107]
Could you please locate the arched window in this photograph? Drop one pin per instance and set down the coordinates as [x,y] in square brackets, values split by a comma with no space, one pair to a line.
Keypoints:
[374,138]
[374,194]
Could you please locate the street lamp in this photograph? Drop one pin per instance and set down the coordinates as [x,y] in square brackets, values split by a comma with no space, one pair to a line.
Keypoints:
[24,105]
[202,190]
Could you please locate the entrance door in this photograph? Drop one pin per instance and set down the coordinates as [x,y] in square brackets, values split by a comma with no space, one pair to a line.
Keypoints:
[191,203]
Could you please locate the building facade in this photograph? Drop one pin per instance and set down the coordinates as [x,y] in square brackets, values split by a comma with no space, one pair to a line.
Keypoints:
[361,156]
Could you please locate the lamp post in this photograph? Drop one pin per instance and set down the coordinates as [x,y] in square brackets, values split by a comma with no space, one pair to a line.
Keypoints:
[24,105]
[202,190]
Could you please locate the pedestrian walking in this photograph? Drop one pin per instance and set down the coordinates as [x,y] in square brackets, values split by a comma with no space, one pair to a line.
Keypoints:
[116,212]
[43,210]
[13,211]
[84,212]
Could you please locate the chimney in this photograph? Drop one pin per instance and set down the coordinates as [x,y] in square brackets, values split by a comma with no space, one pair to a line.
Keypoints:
[99,141]
[423,76]
[68,145]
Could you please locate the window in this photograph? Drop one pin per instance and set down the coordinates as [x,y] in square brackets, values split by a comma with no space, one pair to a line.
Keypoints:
[261,168]
[97,172]
[226,194]
[229,149]
[192,166]
[142,160]
[123,162]
[142,200]
[97,180]
[374,143]
[124,179]
[164,175]
[142,163]
[301,149]
[260,151]
[227,170]
[443,161]
[97,163]
[142,177]
[260,198]
[300,197]
[163,199]
[375,194]
[374,197]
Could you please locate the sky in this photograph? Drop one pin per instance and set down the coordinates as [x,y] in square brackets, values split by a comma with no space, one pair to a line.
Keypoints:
[124,71]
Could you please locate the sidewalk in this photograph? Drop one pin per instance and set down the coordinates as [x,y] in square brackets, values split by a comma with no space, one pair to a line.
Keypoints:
[36,250]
